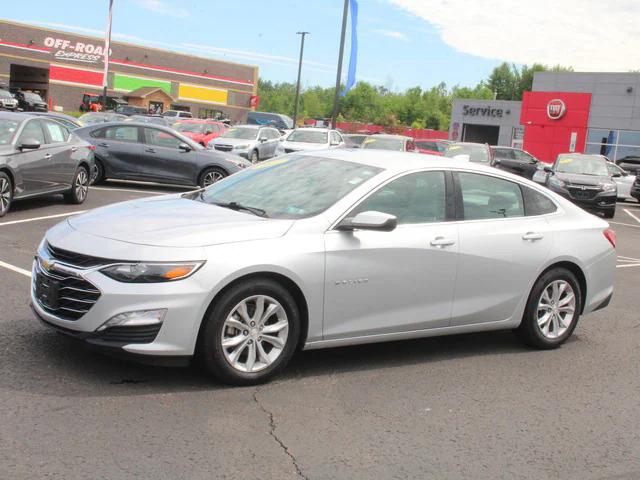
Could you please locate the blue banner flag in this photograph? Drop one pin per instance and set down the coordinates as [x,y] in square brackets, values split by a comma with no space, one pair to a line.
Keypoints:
[353,60]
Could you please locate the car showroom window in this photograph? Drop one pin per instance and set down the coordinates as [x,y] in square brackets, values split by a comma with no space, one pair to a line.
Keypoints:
[57,133]
[32,131]
[536,203]
[122,134]
[485,197]
[414,198]
[160,138]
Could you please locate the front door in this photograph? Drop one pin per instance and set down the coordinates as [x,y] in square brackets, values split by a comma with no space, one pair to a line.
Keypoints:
[36,167]
[403,280]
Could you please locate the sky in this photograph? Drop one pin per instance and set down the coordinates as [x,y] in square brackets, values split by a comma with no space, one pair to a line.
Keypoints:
[402,43]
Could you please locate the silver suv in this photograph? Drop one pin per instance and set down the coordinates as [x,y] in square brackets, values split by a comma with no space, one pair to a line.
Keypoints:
[249,141]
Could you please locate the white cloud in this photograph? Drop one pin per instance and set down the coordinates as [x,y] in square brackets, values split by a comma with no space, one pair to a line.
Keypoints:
[163,8]
[391,34]
[589,35]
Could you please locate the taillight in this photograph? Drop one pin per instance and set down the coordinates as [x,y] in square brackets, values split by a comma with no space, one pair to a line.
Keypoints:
[611,236]
[92,148]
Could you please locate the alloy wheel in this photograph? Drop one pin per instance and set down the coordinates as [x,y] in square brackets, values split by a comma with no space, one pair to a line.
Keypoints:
[255,333]
[212,177]
[556,309]
[5,194]
[82,185]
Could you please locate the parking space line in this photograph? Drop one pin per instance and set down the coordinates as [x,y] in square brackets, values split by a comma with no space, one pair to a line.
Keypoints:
[622,258]
[632,215]
[628,265]
[625,224]
[13,268]
[68,214]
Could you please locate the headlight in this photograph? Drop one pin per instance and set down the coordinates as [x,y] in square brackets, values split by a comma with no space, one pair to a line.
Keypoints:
[151,272]
[557,182]
[241,147]
[608,187]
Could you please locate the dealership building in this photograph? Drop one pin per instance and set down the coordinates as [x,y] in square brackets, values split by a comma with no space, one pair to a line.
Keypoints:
[62,66]
[564,112]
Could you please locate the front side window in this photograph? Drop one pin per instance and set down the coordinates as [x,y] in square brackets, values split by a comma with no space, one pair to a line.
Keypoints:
[57,133]
[122,134]
[32,131]
[615,170]
[485,197]
[504,153]
[159,138]
[298,186]
[414,198]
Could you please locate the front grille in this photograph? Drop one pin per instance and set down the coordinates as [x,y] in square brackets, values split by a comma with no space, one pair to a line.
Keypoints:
[588,193]
[141,334]
[75,259]
[223,148]
[64,296]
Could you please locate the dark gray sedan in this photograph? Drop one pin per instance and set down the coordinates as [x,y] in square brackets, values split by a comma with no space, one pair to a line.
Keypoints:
[40,156]
[153,153]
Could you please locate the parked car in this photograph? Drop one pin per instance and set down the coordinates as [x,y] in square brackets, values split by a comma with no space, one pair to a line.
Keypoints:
[432,147]
[277,120]
[630,163]
[176,114]
[623,180]
[201,131]
[354,140]
[92,118]
[67,120]
[635,188]
[324,249]
[470,152]
[583,179]
[396,143]
[153,153]
[39,156]
[30,102]
[249,141]
[515,161]
[155,119]
[7,101]
[310,139]
[130,110]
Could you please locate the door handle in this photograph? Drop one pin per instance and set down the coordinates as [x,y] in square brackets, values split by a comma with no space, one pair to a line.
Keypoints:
[442,242]
[149,150]
[105,145]
[47,156]
[532,236]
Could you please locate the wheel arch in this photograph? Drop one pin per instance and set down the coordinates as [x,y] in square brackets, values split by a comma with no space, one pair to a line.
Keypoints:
[208,166]
[578,272]
[11,176]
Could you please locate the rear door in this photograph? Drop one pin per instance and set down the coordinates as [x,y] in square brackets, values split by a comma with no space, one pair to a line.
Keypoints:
[163,161]
[501,249]
[36,166]
[120,149]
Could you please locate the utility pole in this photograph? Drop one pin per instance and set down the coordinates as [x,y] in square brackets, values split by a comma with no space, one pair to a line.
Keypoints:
[107,46]
[336,97]
[295,106]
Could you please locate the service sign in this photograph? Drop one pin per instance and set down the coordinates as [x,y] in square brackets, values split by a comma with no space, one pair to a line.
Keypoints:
[84,52]
[556,109]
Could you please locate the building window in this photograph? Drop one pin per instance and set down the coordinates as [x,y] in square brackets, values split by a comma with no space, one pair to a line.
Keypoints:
[210,113]
[180,108]
[613,144]
[156,107]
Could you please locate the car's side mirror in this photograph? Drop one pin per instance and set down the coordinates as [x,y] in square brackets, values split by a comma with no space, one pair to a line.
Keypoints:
[29,144]
[548,169]
[263,139]
[183,147]
[370,220]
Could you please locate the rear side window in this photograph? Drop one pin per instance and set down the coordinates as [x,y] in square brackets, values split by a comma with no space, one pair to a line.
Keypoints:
[503,153]
[486,197]
[122,134]
[535,203]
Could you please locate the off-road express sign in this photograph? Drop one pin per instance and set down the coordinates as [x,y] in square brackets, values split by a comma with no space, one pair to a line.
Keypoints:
[74,51]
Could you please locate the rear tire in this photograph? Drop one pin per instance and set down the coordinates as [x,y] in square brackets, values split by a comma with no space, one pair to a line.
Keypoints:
[99,176]
[210,176]
[6,193]
[79,187]
[249,355]
[552,311]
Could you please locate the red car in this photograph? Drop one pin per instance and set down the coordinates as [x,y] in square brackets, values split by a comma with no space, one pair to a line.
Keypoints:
[201,131]
[432,147]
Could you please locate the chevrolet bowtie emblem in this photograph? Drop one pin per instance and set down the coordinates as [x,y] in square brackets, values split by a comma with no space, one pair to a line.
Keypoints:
[46,264]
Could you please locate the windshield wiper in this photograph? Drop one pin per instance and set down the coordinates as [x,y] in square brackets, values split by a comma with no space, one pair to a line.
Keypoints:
[237,206]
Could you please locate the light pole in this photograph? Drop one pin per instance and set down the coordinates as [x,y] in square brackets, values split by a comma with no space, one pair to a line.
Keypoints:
[336,97]
[107,46]
[295,106]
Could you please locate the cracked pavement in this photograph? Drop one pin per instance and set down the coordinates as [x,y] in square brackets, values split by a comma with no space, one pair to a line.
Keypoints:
[466,407]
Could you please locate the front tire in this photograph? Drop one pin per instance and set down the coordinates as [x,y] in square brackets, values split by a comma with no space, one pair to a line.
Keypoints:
[552,311]
[255,157]
[6,194]
[609,213]
[250,333]
[79,187]
[99,175]
[210,176]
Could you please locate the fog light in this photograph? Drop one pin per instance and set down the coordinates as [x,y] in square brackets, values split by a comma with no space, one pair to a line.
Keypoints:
[135,319]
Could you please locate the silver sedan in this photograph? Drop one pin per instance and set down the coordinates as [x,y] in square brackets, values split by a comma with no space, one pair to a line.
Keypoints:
[323,249]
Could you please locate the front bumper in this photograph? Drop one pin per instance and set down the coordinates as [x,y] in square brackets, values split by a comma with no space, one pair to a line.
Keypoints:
[590,200]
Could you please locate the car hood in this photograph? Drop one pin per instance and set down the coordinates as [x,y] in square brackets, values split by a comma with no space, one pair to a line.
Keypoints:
[173,221]
[579,179]
[304,146]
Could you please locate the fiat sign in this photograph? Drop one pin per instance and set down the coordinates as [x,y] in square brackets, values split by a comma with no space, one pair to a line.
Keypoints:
[556,109]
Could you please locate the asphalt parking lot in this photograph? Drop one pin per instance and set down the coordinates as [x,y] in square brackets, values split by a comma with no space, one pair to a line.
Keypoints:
[470,406]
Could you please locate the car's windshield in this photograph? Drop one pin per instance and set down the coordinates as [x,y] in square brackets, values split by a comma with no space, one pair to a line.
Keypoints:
[307,136]
[291,187]
[477,153]
[7,131]
[582,164]
[33,97]
[190,127]
[5,94]
[384,143]
[241,133]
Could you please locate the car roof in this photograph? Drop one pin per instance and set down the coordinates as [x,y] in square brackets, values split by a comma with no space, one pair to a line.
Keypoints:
[389,135]
[469,143]
[395,161]
[316,129]
[19,116]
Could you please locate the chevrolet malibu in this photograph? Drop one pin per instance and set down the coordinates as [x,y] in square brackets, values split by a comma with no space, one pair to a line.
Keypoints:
[323,249]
